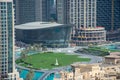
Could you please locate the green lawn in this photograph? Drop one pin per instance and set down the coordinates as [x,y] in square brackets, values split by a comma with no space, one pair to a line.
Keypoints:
[47,60]
[98,51]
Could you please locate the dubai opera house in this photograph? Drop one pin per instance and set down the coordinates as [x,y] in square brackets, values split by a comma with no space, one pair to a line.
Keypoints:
[47,33]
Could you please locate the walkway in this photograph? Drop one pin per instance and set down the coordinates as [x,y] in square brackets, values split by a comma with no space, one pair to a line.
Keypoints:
[46,74]
[94,59]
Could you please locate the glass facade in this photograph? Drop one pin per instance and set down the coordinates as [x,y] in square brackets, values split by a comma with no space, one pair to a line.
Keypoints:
[47,36]
[10,36]
[25,11]
[7,64]
[6,38]
[32,10]
[83,13]
[104,14]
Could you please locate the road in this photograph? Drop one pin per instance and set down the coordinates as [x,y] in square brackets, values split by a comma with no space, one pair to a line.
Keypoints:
[94,59]
[70,51]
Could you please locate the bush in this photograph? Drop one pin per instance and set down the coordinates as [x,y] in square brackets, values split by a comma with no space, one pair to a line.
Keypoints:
[19,61]
[94,51]
[49,52]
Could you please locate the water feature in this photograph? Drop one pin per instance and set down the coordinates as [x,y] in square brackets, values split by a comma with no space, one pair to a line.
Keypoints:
[112,47]
[50,77]
[37,75]
[17,53]
[24,72]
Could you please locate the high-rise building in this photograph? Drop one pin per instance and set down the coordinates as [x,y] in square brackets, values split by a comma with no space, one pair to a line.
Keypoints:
[53,10]
[62,7]
[81,13]
[108,16]
[7,58]
[32,10]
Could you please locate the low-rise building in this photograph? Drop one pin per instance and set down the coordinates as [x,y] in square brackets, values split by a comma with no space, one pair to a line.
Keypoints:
[108,70]
[113,58]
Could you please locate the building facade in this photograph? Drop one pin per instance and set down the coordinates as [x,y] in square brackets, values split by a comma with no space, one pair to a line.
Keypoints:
[109,69]
[62,7]
[108,16]
[45,33]
[89,36]
[81,13]
[32,10]
[7,61]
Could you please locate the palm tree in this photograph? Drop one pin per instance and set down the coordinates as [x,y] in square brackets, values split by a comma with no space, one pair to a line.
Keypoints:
[37,46]
[30,75]
[29,47]
[33,47]
[23,55]
[44,48]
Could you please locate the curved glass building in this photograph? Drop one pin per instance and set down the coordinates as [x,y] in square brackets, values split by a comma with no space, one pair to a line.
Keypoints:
[47,33]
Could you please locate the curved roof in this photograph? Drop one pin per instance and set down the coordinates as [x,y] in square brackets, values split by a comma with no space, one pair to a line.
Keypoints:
[5,0]
[37,25]
[93,28]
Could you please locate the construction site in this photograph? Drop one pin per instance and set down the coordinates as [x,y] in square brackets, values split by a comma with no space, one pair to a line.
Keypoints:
[90,36]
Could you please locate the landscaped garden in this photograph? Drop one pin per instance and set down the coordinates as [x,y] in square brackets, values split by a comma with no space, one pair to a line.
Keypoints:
[47,60]
[99,50]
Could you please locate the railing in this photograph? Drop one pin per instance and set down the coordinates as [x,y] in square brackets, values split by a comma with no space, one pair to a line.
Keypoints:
[45,75]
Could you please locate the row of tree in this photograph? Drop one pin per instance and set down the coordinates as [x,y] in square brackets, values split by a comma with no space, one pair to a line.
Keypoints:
[35,47]
[24,53]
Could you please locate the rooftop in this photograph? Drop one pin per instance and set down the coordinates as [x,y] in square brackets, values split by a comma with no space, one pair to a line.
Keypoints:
[93,28]
[115,53]
[113,56]
[5,0]
[37,25]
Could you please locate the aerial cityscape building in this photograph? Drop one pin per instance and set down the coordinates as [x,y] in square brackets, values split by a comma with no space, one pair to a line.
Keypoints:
[81,13]
[32,10]
[108,16]
[7,58]
[48,33]
[82,28]
[62,9]
[53,14]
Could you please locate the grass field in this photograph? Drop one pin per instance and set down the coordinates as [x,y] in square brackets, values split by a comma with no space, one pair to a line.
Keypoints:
[47,60]
[98,50]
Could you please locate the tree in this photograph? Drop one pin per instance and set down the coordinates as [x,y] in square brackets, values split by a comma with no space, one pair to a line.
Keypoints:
[37,46]
[23,54]
[40,46]
[44,48]
[30,75]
